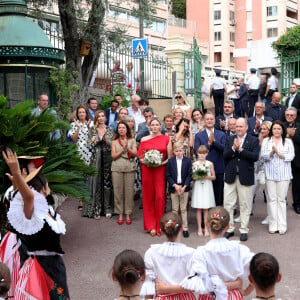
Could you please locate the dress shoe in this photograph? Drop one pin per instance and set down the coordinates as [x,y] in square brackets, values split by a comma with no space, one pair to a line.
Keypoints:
[185,234]
[265,221]
[120,222]
[297,209]
[227,234]
[244,237]
[282,232]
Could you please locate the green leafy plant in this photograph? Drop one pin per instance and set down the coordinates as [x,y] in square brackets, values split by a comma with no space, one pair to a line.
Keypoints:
[124,92]
[30,135]
[288,42]
[60,80]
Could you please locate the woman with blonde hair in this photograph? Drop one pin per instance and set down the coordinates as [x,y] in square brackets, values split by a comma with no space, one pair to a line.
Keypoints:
[101,184]
[182,103]
[178,115]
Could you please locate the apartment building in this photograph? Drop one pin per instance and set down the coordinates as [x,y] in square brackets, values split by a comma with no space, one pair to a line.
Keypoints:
[240,32]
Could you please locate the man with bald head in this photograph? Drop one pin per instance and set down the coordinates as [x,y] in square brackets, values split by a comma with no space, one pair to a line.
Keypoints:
[135,111]
[275,110]
[240,153]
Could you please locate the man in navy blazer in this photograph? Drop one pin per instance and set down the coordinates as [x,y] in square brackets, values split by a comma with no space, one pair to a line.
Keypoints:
[112,113]
[179,184]
[254,123]
[294,100]
[275,110]
[214,140]
[240,153]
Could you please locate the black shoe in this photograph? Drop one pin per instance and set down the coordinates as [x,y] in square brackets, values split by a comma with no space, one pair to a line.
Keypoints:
[185,234]
[227,234]
[297,209]
[235,212]
[244,237]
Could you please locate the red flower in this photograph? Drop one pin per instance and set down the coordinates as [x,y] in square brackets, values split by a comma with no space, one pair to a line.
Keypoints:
[110,88]
[129,85]
[138,88]
[60,290]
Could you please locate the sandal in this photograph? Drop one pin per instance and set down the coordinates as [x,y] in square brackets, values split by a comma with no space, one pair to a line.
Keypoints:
[158,233]
[200,233]
[153,232]
[80,207]
[206,233]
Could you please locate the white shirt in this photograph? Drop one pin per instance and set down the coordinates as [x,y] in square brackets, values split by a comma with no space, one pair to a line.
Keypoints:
[278,169]
[253,82]
[208,131]
[292,97]
[273,82]
[167,262]
[218,83]
[226,260]
[179,165]
[136,115]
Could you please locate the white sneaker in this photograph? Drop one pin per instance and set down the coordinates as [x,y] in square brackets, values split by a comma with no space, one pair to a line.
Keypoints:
[237,220]
[265,221]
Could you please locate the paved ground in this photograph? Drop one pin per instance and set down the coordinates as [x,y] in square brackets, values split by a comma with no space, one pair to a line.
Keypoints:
[91,246]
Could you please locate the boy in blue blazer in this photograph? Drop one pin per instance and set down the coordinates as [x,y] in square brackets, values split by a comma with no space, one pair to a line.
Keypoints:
[179,174]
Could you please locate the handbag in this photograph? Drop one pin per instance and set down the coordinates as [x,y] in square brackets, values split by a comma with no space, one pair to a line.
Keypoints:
[208,102]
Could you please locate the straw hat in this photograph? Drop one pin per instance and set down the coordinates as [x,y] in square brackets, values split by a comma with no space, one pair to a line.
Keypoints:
[32,174]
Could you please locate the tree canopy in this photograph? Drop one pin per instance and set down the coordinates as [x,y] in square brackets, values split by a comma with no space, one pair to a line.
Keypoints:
[179,8]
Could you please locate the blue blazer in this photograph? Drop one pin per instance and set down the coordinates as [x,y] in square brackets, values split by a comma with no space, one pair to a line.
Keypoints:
[107,114]
[215,154]
[186,173]
[251,124]
[243,160]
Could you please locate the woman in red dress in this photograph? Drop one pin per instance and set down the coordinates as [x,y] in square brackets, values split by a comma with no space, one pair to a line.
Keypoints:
[153,178]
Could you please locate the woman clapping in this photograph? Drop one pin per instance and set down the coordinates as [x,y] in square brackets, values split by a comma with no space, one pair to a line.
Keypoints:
[123,151]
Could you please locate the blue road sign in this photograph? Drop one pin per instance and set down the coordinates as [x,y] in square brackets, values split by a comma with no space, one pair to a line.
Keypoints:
[139,48]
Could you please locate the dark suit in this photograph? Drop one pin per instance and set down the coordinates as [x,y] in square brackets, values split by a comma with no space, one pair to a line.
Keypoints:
[295,165]
[276,112]
[107,114]
[244,101]
[252,122]
[222,118]
[179,201]
[143,130]
[186,173]
[296,104]
[215,155]
[239,178]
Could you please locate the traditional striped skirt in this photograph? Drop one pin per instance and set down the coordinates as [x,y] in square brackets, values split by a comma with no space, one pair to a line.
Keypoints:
[179,296]
[232,295]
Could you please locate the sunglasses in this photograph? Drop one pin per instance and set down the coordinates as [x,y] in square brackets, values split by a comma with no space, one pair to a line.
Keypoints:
[178,97]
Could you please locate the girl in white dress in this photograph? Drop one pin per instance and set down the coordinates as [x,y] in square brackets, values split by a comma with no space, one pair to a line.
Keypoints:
[129,271]
[264,274]
[166,264]
[217,268]
[203,195]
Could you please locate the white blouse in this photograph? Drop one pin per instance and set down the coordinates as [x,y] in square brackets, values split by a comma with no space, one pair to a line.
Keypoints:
[278,169]
[218,83]
[216,262]
[167,262]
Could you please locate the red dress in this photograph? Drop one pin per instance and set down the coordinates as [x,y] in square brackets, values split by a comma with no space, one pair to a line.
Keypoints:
[153,181]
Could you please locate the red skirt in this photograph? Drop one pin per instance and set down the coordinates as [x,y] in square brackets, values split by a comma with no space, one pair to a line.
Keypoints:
[232,295]
[179,296]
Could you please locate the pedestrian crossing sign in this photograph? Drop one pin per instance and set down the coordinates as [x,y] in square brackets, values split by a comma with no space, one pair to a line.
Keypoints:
[139,48]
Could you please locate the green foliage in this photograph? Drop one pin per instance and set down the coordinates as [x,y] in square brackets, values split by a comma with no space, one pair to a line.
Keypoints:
[179,8]
[60,79]
[289,41]
[124,92]
[30,135]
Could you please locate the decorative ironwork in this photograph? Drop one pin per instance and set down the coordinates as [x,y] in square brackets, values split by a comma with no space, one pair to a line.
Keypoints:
[32,51]
[290,70]
[192,73]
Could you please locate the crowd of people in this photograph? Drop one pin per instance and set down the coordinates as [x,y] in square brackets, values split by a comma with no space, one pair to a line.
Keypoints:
[213,161]
[202,160]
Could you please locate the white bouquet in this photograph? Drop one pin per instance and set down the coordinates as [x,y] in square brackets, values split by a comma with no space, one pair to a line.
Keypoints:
[152,158]
[200,170]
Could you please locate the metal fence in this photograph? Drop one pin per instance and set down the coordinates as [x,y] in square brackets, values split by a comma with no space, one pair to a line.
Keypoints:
[290,70]
[155,81]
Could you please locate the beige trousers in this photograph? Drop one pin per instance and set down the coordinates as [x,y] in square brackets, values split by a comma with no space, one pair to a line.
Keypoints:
[180,201]
[277,192]
[123,183]
[235,191]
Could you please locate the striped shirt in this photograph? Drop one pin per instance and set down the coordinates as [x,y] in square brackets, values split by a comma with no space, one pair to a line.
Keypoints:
[276,168]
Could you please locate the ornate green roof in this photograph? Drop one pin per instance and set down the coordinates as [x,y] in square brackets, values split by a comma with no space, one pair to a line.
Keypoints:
[21,40]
